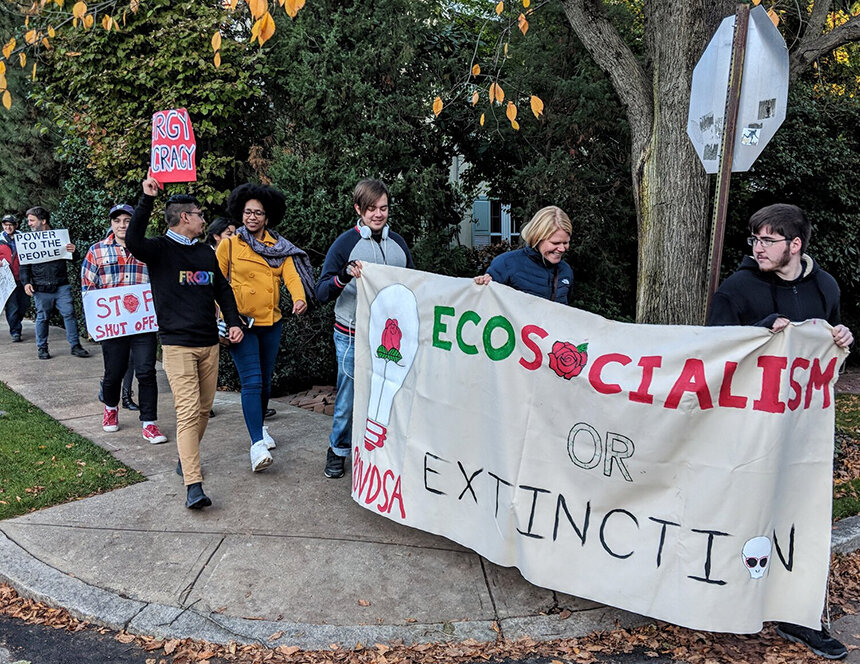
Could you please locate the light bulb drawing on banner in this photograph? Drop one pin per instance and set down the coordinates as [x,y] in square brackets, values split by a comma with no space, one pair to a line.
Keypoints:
[393,338]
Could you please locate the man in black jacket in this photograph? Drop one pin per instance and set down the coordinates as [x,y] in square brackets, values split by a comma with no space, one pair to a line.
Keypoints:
[778,285]
[186,284]
[48,284]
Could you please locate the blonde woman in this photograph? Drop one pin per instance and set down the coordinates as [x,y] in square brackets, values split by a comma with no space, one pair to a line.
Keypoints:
[538,267]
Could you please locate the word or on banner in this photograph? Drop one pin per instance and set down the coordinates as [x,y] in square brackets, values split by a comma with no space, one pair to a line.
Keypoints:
[7,282]
[679,472]
[42,246]
[172,157]
[120,311]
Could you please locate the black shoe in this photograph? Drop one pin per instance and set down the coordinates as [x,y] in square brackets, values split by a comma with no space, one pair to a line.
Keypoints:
[43,353]
[196,498]
[333,465]
[269,412]
[79,351]
[16,338]
[128,401]
[211,413]
[818,641]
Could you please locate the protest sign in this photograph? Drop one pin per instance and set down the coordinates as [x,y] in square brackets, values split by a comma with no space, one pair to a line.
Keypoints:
[42,246]
[7,282]
[173,154]
[120,311]
[679,472]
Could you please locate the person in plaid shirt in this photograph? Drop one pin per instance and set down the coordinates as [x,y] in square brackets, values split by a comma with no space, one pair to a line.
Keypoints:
[108,264]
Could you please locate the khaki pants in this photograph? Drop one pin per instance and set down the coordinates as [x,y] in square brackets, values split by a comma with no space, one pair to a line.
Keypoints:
[193,377]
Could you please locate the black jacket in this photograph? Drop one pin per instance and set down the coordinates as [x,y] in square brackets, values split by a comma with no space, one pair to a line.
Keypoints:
[753,297]
[46,277]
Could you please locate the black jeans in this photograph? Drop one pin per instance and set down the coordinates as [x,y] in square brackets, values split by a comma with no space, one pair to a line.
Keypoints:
[115,353]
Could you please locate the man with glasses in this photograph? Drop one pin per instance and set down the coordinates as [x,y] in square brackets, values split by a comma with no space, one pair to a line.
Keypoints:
[777,285]
[186,284]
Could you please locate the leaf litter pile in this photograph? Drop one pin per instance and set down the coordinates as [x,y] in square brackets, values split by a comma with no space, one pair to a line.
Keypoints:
[656,640]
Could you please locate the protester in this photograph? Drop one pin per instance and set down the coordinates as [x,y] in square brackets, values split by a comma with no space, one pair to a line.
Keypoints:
[108,264]
[537,268]
[186,283]
[777,285]
[369,241]
[48,284]
[255,261]
[220,229]
[19,301]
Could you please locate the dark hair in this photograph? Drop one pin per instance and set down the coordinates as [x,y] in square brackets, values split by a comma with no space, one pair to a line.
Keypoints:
[217,227]
[39,212]
[273,201]
[176,205]
[787,220]
[367,192]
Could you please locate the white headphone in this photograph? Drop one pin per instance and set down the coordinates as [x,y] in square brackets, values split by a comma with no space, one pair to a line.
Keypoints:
[366,232]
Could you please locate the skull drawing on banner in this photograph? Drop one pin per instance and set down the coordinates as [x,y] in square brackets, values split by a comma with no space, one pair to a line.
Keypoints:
[756,553]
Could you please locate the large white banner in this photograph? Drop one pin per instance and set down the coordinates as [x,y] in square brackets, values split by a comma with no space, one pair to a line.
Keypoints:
[678,472]
[42,246]
[120,311]
[7,282]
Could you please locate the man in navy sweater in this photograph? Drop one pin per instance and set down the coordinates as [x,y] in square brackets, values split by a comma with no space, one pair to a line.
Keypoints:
[371,241]
[186,284]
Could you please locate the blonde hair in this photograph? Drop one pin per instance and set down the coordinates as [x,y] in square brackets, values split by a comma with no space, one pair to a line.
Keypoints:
[545,222]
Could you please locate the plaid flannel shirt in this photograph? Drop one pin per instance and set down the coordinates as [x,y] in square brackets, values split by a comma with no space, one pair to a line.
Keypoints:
[107,264]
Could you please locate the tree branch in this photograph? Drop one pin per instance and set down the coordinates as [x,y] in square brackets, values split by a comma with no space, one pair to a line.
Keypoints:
[812,49]
[614,57]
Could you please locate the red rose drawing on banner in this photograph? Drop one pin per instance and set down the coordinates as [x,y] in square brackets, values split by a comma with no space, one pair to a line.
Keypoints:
[567,360]
[389,348]
[131,303]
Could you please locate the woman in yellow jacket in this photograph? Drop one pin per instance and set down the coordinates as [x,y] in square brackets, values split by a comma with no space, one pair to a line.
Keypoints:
[255,261]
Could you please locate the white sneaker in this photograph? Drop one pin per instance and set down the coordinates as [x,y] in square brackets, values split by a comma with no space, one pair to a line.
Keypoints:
[270,442]
[260,457]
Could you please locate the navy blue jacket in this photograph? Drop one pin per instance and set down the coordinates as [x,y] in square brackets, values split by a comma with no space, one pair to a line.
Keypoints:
[527,271]
[753,297]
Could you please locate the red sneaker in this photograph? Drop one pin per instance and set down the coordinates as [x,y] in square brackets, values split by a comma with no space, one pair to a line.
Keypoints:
[153,435]
[110,421]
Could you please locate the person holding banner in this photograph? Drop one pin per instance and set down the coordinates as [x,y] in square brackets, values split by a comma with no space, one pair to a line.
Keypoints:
[108,264]
[18,301]
[186,284]
[369,240]
[255,261]
[537,268]
[777,285]
[48,284]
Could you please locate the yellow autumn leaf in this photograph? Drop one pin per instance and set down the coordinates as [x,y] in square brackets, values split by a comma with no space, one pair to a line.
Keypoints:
[292,7]
[217,60]
[8,48]
[79,10]
[51,32]
[59,3]
[506,49]
[773,17]
[258,8]
[46,44]
[233,5]
[107,22]
[255,31]
[515,125]
[526,3]
[537,105]
[7,100]
[437,106]
[3,84]
[475,98]
[476,70]
[511,111]
[267,28]
[500,7]
[756,3]
[34,72]
[88,21]
[216,41]
[27,20]
[496,93]
[31,37]
[482,119]
[523,23]
[3,70]
[22,58]
[134,5]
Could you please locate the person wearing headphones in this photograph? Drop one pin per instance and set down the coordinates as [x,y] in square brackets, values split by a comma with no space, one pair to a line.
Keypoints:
[368,241]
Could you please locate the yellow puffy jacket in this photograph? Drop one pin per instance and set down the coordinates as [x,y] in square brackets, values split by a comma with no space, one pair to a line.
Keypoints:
[255,284]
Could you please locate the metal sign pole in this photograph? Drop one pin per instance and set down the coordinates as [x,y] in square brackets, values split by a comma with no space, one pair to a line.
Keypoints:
[721,195]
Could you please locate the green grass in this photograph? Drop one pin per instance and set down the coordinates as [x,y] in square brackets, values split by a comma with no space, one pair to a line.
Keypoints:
[42,463]
[846,500]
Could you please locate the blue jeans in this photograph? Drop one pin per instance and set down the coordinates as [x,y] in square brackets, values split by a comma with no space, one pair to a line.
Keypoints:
[341,425]
[16,307]
[254,358]
[45,303]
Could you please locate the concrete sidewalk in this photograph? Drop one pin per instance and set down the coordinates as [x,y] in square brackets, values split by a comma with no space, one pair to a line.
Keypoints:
[285,551]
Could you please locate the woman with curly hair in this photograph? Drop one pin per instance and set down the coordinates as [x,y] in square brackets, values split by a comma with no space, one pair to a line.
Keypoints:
[255,261]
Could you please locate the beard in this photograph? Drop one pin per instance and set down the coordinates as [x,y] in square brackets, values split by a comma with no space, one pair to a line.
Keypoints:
[778,263]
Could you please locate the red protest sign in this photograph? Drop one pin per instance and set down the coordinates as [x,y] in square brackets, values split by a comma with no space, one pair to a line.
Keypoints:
[172,158]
